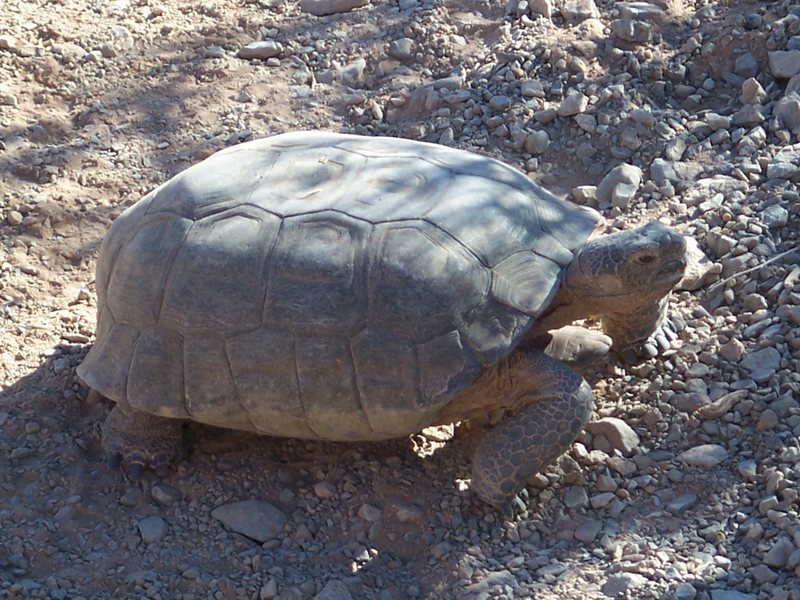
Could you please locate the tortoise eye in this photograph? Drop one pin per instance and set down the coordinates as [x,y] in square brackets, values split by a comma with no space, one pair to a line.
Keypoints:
[645,259]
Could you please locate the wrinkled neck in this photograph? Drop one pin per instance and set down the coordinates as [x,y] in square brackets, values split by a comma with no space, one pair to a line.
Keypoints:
[567,307]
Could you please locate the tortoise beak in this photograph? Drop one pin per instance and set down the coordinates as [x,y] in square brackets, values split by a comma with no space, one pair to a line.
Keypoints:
[672,269]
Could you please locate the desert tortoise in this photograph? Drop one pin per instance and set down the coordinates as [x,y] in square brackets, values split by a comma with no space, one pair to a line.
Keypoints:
[338,287]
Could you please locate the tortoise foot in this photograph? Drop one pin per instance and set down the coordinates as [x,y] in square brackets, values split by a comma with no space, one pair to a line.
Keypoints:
[138,441]
[656,344]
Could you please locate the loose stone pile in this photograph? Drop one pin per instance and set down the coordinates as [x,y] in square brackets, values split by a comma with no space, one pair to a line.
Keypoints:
[684,486]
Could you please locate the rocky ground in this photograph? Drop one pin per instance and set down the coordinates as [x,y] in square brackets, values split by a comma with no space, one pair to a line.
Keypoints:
[685,486]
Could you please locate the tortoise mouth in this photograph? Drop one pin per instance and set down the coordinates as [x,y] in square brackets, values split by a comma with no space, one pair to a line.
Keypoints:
[672,270]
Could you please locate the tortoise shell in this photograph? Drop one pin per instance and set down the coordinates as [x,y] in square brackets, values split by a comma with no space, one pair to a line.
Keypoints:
[324,285]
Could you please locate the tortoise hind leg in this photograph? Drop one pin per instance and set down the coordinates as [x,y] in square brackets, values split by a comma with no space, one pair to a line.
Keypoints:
[552,405]
[140,440]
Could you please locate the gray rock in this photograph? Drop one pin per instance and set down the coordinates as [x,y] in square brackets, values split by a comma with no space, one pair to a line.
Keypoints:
[588,531]
[752,92]
[574,103]
[766,359]
[778,555]
[269,590]
[215,52]
[622,584]
[441,550]
[784,64]
[261,50]
[787,111]
[369,513]
[708,187]
[541,7]
[585,194]
[620,185]
[324,489]
[586,122]
[496,578]
[152,529]
[631,30]
[720,243]
[675,148]
[707,456]
[793,87]
[794,560]
[576,497]
[334,590]
[775,216]
[353,73]
[8,42]
[663,172]
[537,142]
[532,88]
[682,503]
[731,595]
[256,519]
[401,49]
[329,7]
[778,169]
[165,494]
[748,469]
[684,591]
[641,11]
[716,121]
[500,102]
[644,117]
[763,574]
[601,500]
[576,11]
[747,116]
[14,218]
[746,65]
[619,434]
[785,164]
[7,98]
[752,142]
[767,421]
[789,313]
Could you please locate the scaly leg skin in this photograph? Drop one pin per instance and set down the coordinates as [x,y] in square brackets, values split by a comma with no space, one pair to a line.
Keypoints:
[553,406]
[140,440]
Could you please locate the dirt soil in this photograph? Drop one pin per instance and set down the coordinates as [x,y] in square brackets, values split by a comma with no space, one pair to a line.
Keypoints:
[100,101]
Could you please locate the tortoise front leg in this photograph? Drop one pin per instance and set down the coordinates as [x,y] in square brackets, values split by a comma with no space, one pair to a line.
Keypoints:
[552,404]
[140,440]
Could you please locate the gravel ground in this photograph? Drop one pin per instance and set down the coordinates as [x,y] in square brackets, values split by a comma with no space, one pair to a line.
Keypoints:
[685,484]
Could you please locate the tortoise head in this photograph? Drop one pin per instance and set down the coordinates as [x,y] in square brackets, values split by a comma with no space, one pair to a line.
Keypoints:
[626,278]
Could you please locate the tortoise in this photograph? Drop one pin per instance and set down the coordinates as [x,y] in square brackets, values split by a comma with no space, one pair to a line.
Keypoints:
[346,288]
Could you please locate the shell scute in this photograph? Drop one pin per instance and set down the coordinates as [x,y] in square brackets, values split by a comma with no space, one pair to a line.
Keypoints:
[155,380]
[386,369]
[135,290]
[421,280]
[317,275]
[217,280]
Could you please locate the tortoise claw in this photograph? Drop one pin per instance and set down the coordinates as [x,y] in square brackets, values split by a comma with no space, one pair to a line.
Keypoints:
[630,356]
[114,460]
[514,506]
[136,471]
